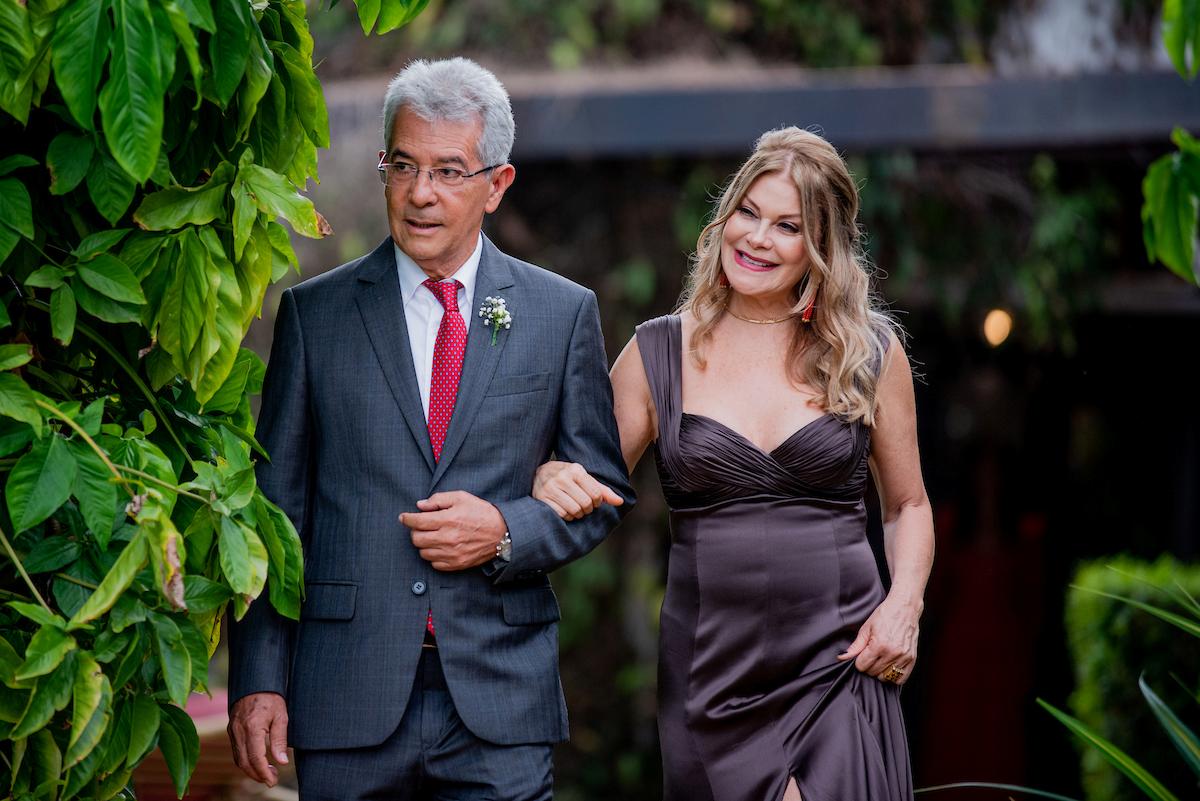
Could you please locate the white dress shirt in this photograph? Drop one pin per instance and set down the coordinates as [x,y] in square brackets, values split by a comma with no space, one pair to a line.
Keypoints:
[423,312]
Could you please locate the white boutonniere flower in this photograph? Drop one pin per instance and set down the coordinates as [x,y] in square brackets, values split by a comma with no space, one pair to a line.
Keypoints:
[494,312]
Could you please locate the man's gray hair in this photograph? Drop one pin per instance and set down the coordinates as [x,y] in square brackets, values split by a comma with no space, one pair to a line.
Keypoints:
[458,90]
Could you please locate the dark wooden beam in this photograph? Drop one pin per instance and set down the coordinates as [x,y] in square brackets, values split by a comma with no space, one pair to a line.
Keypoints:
[713,112]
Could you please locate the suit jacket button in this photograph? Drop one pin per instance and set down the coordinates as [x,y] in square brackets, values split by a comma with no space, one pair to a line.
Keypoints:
[418,588]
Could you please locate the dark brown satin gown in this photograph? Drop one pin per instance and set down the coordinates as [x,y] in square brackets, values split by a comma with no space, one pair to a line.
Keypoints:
[770,577]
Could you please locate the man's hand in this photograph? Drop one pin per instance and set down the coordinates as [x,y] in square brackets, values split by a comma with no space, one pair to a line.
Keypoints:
[455,530]
[259,721]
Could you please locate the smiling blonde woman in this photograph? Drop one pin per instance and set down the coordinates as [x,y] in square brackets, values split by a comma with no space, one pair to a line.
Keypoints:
[771,396]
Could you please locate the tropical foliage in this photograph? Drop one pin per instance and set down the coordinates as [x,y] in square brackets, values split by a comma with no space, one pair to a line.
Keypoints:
[1172,184]
[150,149]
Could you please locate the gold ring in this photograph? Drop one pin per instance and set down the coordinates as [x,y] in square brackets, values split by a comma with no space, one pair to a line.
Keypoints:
[893,674]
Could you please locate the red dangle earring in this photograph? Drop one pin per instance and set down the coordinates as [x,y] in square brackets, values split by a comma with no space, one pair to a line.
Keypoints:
[722,279]
[806,317]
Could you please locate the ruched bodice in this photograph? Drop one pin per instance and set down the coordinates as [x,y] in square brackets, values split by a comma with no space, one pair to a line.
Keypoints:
[770,577]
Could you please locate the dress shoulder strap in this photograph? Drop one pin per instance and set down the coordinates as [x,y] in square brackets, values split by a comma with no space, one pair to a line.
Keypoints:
[660,341]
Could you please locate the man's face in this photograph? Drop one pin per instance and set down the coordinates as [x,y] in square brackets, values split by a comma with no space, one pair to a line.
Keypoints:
[436,225]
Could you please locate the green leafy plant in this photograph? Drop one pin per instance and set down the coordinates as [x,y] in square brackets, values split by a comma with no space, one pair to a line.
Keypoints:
[1123,622]
[150,148]
[1171,188]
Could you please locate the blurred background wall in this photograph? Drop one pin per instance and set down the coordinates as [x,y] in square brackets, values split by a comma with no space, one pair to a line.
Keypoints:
[999,146]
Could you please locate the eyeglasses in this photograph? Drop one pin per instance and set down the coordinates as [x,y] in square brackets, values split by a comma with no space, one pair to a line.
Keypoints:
[403,172]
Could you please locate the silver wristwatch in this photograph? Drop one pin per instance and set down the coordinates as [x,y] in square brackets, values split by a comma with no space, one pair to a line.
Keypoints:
[504,548]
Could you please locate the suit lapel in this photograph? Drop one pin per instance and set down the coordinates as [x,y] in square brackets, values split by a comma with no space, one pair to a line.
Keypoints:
[382,309]
[479,363]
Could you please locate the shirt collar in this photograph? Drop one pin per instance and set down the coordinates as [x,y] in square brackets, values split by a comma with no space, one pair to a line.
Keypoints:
[412,276]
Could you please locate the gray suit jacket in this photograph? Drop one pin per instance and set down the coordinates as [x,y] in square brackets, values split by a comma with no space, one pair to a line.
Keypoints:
[342,420]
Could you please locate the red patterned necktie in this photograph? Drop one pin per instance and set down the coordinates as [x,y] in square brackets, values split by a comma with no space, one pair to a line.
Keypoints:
[448,351]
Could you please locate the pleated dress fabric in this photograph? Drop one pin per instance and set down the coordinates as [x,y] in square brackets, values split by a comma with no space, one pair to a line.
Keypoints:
[770,577]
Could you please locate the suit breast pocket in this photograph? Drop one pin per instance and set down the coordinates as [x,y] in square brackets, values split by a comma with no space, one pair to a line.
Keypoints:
[517,384]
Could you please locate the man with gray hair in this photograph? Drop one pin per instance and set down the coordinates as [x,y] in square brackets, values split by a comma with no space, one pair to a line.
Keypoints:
[409,398]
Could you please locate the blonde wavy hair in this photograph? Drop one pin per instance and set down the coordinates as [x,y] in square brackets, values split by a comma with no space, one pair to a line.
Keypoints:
[839,353]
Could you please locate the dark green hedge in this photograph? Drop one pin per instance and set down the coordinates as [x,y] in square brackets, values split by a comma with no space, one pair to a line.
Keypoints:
[1111,644]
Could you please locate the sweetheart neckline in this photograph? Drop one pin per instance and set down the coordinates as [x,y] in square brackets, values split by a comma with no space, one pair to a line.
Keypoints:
[771,453]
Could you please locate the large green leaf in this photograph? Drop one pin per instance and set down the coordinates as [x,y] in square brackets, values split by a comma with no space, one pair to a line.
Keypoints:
[112,278]
[1142,778]
[14,436]
[225,325]
[51,553]
[254,272]
[18,402]
[116,581]
[229,48]
[167,50]
[102,306]
[243,557]
[47,758]
[186,301]
[68,160]
[173,657]
[1181,35]
[46,651]
[187,40]
[14,356]
[197,649]
[92,710]
[37,613]
[180,746]
[131,102]
[100,242]
[16,211]
[229,396]
[63,312]
[10,163]
[40,482]
[278,198]
[397,13]
[96,493]
[17,49]
[50,695]
[306,93]
[78,776]
[368,12]
[1169,212]
[78,51]
[245,213]
[110,189]
[49,276]
[205,595]
[286,585]
[143,733]
[116,743]
[199,13]
[176,207]
[8,242]
[1185,739]
[260,66]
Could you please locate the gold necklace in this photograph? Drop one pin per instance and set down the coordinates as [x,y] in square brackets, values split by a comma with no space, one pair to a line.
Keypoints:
[759,322]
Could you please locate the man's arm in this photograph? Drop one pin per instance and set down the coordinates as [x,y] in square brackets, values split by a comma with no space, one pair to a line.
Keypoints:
[260,643]
[587,434]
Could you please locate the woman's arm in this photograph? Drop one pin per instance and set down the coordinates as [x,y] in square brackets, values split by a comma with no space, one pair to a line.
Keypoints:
[889,637]
[566,487]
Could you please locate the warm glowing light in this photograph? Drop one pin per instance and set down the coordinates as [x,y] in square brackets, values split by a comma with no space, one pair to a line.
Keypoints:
[997,326]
